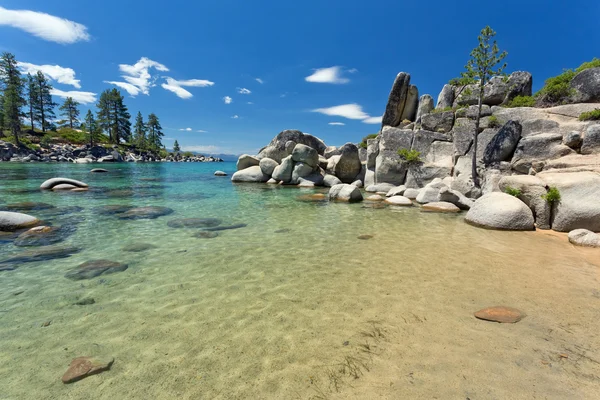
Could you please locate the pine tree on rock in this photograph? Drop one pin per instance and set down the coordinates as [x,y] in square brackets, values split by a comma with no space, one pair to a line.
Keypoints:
[91,127]
[155,133]
[45,105]
[139,131]
[70,111]
[113,117]
[176,147]
[32,95]
[12,98]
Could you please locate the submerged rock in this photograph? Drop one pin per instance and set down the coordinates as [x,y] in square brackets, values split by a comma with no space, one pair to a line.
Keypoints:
[149,212]
[48,253]
[138,247]
[502,314]
[112,209]
[44,235]
[94,268]
[194,223]
[345,192]
[11,221]
[364,237]
[27,206]
[220,173]
[99,170]
[82,367]
[312,197]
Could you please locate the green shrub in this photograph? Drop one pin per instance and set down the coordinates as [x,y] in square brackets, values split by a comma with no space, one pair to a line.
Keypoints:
[557,89]
[410,156]
[363,144]
[590,115]
[552,196]
[494,122]
[595,63]
[187,154]
[512,191]
[46,141]
[163,153]
[521,101]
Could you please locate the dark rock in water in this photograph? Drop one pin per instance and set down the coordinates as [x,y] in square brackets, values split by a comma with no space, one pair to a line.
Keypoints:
[284,230]
[99,170]
[205,235]
[194,223]
[48,253]
[149,212]
[82,367]
[85,302]
[112,209]
[223,228]
[365,237]
[506,315]
[27,206]
[44,235]
[138,247]
[94,268]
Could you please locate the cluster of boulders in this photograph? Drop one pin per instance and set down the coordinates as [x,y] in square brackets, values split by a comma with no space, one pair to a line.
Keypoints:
[196,158]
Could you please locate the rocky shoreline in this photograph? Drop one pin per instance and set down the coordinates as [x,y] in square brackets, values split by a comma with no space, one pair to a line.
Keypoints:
[539,167]
[85,154]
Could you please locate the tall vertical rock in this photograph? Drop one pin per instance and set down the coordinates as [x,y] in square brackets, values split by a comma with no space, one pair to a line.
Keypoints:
[412,102]
[446,97]
[389,166]
[425,106]
[396,100]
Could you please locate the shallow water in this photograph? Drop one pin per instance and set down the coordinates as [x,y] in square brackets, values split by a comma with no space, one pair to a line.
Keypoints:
[293,305]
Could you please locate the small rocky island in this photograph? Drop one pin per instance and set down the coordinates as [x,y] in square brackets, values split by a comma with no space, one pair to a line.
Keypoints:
[538,165]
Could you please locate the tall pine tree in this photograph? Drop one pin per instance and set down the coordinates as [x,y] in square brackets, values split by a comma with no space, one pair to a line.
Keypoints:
[12,99]
[91,127]
[70,111]
[155,133]
[45,105]
[113,116]
[139,131]
[176,147]
[32,95]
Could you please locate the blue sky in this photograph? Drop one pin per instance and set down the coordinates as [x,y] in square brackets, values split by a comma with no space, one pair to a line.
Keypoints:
[183,59]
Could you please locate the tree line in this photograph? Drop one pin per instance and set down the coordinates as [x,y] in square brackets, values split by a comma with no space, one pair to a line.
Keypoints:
[28,99]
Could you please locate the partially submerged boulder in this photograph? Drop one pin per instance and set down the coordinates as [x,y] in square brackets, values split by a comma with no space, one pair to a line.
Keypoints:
[498,210]
[345,192]
[246,161]
[348,165]
[12,221]
[440,207]
[50,183]
[584,237]
[250,174]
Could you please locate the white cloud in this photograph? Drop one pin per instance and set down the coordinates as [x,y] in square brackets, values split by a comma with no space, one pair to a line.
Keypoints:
[137,76]
[201,149]
[352,71]
[131,89]
[259,81]
[337,123]
[350,111]
[45,26]
[243,91]
[201,131]
[249,102]
[186,129]
[81,97]
[235,117]
[327,75]
[227,100]
[373,120]
[55,72]
[175,86]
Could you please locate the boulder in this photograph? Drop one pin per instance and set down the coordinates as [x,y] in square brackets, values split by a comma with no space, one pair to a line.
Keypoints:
[498,210]
[330,180]
[301,170]
[246,161]
[267,165]
[396,191]
[399,201]
[578,206]
[532,189]
[323,162]
[283,172]
[50,183]
[396,100]
[220,173]
[99,170]
[44,235]
[425,106]
[471,111]
[372,152]
[64,186]
[331,151]
[584,237]
[389,166]
[411,193]
[358,183]
[462,134]
[278,148]
[573,140]
[498,90]
[591,140]
[94,268]
[304,154]
[12,221]
[289,146]
[421,174]
[430,192]
[412,102]
[374,197]
[586,86]
[438,121]
[455,197]
[542,146]
[250,174]
[503,144]
[445,98]
[83,161]
[348,165]
[441,207]
[380,187]
[345,192]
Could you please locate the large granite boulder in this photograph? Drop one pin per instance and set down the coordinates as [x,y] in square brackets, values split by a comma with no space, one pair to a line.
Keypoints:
[348,165]
[246,161]
[268,165]
[345,192]
[584,237]
[425,106]
[445,98]
[399,201]
[412,102]
[503,144]
[12,221]
[301,170]
[396,100]
[438,121]
[331,151]
[379,187]
[283,172]
[308,155]
[591,140]
[250,174]
[50,183]
[462,134]
[330,180]
[498,210]
[579,205]
[279,149]
[533,148]
[455,197]
[498,90]
[532,189]
[430,193]
[586,86]
[389,166]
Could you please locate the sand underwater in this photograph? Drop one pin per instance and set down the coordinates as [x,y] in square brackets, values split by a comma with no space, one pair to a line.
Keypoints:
[293,305]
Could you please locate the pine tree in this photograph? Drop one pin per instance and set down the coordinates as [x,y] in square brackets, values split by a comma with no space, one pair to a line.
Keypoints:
[45,105]
[480,69]
[91,127]
[32,95]
[155,133]
[176,147]
[13,99]
[1,110]
[113,116]
[70,111]
[139,131]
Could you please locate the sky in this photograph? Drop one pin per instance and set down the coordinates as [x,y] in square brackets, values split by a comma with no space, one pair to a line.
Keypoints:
[226,76]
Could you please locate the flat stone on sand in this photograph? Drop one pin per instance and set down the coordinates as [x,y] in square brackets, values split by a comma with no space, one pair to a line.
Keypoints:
[94,268]
[82,367]
[364,237]
[502,314]
[440,207]
[399,201]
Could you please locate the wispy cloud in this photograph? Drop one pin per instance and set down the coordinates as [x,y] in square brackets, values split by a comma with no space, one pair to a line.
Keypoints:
[54,72]
[137,76]
[249,102]
[337,123]
[186,129]
[327,75]
[235,116]
[350,111]
[175,86]
[44,26]
[227,100]
[243,91]
[373,120]
[259,80]
[201,149]
[201,131]
[81,97]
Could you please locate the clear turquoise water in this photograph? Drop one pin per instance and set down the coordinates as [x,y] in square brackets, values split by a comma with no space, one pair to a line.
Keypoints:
[293,305]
